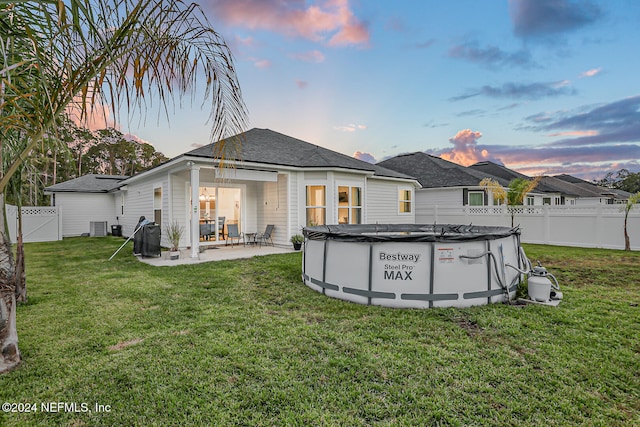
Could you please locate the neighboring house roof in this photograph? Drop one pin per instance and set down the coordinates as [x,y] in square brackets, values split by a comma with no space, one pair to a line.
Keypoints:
[273,148]
[599,190]
[509,175]
[497,170]
[91,183]
[434,172]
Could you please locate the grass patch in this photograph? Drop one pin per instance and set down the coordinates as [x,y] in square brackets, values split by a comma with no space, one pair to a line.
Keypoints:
[245,342]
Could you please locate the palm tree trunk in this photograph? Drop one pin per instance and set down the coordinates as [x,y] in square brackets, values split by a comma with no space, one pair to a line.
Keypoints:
[20,274]
[627,243]
[9,353]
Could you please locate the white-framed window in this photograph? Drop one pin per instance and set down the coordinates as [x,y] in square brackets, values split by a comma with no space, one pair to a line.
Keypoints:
[316,205]
[530,201]
[475,198]
[349,205]
[546,201]
[405,202]
[157,205]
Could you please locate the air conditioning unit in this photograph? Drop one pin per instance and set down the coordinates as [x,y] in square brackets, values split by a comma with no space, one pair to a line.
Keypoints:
[98,228]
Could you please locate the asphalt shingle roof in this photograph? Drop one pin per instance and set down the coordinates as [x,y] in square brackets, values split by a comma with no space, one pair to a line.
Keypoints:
[91,183]
[434,172]
[495,169]
[269,147]
[544,186]
[593,189]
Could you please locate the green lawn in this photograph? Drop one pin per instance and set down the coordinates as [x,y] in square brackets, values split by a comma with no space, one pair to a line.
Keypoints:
[247,343]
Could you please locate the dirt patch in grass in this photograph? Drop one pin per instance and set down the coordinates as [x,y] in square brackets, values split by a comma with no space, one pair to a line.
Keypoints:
[470,327]
[125,344]
[314,319]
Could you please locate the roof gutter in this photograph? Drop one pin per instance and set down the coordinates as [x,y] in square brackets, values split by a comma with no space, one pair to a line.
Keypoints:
[180,163]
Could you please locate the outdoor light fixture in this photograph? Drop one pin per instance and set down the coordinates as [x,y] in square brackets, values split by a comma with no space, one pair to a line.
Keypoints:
[205,196]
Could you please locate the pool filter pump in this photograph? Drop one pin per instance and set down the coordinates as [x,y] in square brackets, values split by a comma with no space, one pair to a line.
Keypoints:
[540,287]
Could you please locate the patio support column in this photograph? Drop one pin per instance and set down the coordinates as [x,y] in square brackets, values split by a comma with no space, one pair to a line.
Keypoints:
[195,209]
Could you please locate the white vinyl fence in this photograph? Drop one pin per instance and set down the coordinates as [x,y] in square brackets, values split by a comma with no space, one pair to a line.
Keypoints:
[598,226]
[39,223]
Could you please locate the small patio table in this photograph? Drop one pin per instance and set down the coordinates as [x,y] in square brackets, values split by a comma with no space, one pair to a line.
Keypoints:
[250,239]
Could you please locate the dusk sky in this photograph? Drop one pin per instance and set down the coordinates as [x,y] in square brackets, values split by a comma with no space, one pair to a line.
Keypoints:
[541,86]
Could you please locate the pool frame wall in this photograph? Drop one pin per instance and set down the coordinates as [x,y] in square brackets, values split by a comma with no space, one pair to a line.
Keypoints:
[412,266]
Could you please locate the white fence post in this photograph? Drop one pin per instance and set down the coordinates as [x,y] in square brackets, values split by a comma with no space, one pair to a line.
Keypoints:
[11,213]
[547,224]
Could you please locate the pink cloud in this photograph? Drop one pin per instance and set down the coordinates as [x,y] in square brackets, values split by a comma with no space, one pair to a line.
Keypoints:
[587,171]
[95,117]
[576,133]
[590,73]
[260,63]
[311,56]
[302,84]
[333,19]
[353,32]
[350,127]
[364,156]
[245,41]
[465,149]
[136,138]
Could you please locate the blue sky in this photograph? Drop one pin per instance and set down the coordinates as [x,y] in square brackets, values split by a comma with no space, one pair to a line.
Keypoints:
[542,86]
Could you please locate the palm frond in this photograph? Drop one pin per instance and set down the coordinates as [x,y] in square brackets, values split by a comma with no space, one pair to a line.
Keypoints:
[116,55]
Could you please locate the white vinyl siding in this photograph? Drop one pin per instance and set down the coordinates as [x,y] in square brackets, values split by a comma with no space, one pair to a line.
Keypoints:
[79,209]
[295,225]
[381,203]
[272,208]
[438,197]
[138,202]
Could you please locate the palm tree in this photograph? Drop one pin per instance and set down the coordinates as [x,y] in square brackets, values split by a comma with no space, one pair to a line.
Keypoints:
[631,203]
[515,194]
[83,56]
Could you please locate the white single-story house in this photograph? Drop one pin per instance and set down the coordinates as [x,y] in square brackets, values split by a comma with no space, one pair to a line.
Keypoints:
[271,179]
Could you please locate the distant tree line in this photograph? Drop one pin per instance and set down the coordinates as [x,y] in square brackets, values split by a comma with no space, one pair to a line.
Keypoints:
[72,151]
[622,180]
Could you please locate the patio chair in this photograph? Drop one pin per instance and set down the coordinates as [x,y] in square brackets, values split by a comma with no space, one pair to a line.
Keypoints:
[221,226]
[266,236]
[232,233]
[205,231]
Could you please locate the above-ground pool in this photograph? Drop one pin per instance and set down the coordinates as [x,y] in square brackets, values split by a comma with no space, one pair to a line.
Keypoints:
[411,265]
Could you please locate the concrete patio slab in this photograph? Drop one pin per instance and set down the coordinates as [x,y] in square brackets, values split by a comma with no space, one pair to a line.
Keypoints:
[217,253]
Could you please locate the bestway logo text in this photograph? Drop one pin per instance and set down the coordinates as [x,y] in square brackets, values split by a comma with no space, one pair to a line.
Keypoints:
[399,257]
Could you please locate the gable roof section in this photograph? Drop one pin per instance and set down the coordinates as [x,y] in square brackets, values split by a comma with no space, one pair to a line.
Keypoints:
[509,175]
[601,191]
[582,189]
[273,148]
[434,172]
[497,170]
[91,183]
